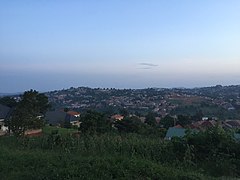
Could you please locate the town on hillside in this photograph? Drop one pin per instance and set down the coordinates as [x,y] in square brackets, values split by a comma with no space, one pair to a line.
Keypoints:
[175,109]
[186,129]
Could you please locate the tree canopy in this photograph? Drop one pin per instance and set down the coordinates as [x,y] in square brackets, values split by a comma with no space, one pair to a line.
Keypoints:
[26,114]
[150,119]
[167,121]
[8,101]
[129,124]
[94,122]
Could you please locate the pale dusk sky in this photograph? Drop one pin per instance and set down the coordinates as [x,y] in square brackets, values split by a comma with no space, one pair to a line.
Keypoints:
[54,44]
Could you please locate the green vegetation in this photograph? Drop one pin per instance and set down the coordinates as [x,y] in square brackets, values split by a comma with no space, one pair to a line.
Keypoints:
[94,122]
[27,113]
[206,155]
[8,101]
[104,148]
[167,121]
[93,158]
[47,130]
[207,110]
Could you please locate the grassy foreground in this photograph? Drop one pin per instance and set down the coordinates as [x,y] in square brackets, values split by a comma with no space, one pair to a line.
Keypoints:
[21,163]
[47,130]
[109,156]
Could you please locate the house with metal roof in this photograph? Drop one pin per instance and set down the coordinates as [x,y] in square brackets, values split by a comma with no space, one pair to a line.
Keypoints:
[237,136]
[58,118]
[175,132]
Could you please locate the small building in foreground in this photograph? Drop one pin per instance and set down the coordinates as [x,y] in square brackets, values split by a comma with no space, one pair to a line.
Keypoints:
[175,132]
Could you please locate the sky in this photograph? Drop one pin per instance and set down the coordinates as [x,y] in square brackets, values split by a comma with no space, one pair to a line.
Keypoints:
[55,44]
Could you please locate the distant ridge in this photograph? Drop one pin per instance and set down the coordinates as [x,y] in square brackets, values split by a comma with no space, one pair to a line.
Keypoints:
[159,88]
[10,94]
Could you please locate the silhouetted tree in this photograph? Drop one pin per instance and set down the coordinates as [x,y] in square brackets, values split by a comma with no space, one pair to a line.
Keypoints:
[124,112]
[66,109]
[167,121]
[198,116]
[150,119]
[8,101]
[26,114]
[183,120]
[129,125]
[94,122]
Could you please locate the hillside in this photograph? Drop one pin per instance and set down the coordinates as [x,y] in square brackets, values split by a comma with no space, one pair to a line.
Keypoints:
[222,102]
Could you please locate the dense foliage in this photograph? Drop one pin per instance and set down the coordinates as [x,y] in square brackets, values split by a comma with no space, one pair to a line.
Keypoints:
[26,115]
[8,101]
[107,148]
[205,155]
[94,122]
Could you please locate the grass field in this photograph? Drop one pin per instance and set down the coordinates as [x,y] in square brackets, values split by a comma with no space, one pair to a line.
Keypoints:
[106,156]
[91,161]
[62,131]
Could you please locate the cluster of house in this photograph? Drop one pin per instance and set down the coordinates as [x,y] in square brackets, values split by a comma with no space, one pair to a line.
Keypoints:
[54,118]
[86,98]
[59,117]
[133,100]
[179,131]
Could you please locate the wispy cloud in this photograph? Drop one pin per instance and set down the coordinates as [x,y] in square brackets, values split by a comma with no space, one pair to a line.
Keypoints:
[146,65]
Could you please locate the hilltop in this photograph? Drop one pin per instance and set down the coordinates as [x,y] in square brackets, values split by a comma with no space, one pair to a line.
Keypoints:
[218,101]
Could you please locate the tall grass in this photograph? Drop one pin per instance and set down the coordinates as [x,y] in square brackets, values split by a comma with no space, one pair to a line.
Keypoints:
[87,157]
[106,156]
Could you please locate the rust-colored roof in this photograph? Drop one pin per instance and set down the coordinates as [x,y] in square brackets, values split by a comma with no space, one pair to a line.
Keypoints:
[234,123]
[178,126]
[203,124]
[207,124]
[117,117]
[73,113]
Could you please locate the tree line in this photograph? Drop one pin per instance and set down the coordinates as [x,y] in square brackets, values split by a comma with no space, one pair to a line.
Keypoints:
[27,113]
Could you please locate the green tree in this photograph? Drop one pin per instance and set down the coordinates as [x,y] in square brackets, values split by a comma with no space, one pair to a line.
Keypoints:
[66,123]
[167,121]
[218,141]
[94,122]
[8,101]
[183,120]
[198,116]
[129,125]
[26,114]
[150,119]
[41,101]
[66,109]
[124,112]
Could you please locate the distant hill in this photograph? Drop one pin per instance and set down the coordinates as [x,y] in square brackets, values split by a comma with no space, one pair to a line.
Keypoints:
[10,94]
[216,101]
